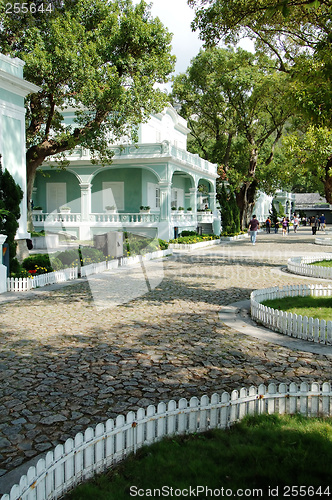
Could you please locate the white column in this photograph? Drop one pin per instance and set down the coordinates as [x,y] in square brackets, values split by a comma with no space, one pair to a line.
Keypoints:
[193,199]
[212,201]
[85,200]
[165,200]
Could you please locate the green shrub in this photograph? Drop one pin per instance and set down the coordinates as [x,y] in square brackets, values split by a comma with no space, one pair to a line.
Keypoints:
[68,257]
[189,233]
[194,239]
[40,260]
[91,255]
[162,244]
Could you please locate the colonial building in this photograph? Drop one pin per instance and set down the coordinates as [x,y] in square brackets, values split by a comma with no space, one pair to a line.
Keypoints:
[13,89]
[179,188]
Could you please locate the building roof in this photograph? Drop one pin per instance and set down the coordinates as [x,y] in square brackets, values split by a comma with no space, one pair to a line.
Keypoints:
[309,200]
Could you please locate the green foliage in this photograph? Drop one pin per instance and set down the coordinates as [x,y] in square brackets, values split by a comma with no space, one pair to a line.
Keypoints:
[194,238]
[310,306]
[229,211]
[307,155]
[139,245]
[10,198]
[189,233]
[68,257]
[100,57]
[260,453]
[163,244]
[236,104]
[40,263]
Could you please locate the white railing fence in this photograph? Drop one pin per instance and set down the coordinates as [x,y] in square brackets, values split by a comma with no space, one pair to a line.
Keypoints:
[301,265]
[293,325]
[25,284]
[108,443]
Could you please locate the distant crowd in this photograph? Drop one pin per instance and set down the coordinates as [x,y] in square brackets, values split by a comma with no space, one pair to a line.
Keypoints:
[317,222]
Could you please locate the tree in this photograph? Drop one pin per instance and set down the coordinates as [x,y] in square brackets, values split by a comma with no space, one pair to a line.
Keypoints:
[236,105]
[97,57]
[309,157]
[296,33]
[10,198]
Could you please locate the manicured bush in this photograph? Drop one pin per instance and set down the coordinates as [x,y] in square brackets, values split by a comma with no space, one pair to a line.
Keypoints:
[40,264]
[163,245]
[189,233]
[91,255]
[194,239]
[68,257]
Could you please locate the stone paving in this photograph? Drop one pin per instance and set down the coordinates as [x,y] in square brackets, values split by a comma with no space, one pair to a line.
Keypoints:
[66,364]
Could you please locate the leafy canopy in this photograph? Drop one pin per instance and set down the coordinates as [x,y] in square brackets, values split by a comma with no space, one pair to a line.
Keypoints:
[100,59]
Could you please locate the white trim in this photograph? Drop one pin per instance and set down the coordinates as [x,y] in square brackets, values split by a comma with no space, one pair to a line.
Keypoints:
[16,85]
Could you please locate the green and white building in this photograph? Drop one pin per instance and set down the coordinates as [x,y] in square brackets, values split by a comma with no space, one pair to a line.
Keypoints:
[157,172]
[13,89]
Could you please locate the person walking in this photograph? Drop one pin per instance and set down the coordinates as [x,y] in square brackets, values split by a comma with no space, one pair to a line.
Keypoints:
[296,223]
[253,228]
[284,225]
[268,225]
[322,222]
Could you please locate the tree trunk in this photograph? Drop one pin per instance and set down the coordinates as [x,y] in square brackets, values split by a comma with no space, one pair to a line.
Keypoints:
[328,180]
[245,200]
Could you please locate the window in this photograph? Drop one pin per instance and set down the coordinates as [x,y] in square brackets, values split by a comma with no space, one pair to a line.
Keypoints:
[177,197]
[56,195]
[113,194]
[153,195]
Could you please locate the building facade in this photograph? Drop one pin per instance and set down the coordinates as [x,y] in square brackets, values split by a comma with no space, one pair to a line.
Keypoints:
[154,187]
[13,89]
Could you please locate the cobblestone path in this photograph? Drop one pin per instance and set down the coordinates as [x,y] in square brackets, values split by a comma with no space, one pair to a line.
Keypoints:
[66,365]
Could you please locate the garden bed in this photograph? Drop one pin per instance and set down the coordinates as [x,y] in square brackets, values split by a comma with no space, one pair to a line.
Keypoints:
[293,325]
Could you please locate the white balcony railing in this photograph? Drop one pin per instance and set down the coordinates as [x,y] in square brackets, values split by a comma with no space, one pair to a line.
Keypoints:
[151,150]
[120,218]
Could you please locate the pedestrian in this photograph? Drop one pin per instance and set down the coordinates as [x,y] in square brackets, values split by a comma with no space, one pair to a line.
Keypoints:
[296,223]
[314,225]
[322,222]
[288,224]
[276,226]
[268,225]
[284,226]
[253,228]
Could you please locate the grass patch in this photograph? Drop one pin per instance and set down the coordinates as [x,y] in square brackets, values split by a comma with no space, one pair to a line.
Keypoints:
[259,452]
[315,307]
[322,263]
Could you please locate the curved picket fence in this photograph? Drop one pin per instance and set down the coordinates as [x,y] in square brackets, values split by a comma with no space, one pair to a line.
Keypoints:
[97,449]
[293,325]
[301,265]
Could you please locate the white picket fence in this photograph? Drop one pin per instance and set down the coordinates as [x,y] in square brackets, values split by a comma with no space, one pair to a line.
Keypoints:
[100,448]
[26,284]
[293,325]
[301,265]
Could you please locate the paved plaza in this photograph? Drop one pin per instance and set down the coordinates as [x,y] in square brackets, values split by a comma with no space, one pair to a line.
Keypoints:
[66,364]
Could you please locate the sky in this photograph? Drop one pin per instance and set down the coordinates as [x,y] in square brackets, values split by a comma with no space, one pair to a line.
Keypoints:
[177,16]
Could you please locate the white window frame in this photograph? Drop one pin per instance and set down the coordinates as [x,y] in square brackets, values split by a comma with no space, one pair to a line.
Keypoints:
[153,195]
[177,197]
[60,198]
[113,194]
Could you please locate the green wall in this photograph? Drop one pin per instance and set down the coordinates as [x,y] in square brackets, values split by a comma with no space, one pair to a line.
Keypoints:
[73,188]
[132,178]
